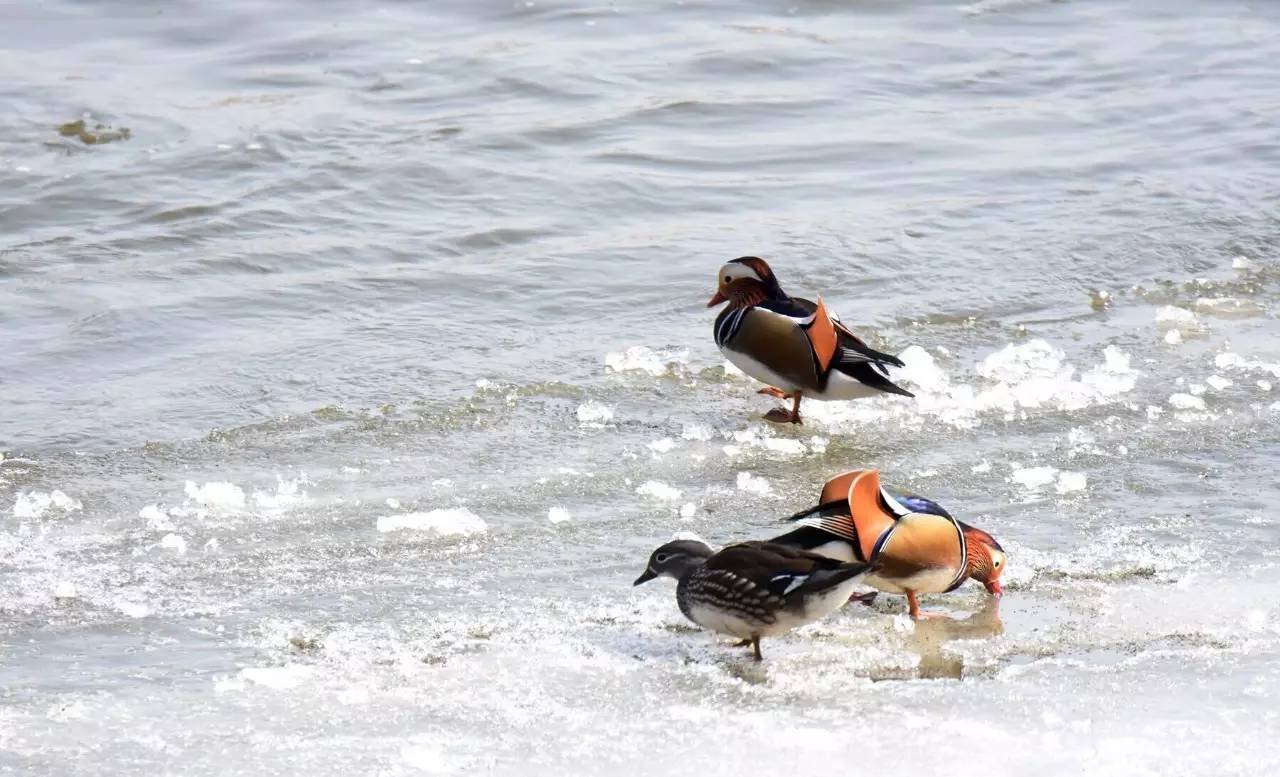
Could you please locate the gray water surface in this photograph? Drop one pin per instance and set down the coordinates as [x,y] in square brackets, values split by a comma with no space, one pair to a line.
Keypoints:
[353,358]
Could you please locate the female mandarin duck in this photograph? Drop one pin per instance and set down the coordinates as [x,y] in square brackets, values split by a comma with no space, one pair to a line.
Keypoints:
[752,589]
[912,543]
[792,344]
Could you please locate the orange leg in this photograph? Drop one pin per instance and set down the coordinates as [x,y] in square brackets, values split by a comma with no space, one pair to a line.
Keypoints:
[913,607]
[780,416]
[774,392]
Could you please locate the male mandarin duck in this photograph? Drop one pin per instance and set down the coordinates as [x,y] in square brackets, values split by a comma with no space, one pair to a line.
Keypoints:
[914,545]
[793,345]
[752,589]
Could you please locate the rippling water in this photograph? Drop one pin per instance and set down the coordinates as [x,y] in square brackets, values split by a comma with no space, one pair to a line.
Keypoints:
[354,358]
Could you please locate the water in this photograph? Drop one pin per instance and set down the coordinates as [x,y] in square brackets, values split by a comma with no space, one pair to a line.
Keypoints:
[343,399]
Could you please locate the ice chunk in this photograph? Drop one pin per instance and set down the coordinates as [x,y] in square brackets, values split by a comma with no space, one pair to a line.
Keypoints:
[174,542]
[593,412]
[445,522]
[663,445]
[753,483]
[1033,478]
[557,515]
[65,589]
[658,490]
[1069,482]
[1186,402]
[697,432]
[1218,382]
[216,495]
[156,518]
[1173,337]
[134,609]
[639,358]
[687,510]
[277,677]
[35,504]
[1172,318]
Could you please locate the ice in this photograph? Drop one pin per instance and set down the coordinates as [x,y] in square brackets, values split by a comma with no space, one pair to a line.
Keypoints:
[1228,307]
[1182,401]
[1264,385]
[687,510]
[157,518]
[663,445]
[981,467]
[1034,478]
[35,504]
[278,677]
[1177,319]
[658,490]
[595,413]
[1218,382]
[64,589]
[392,502]
[134,609]
[752,483]
[174,542]
[1070,482]
[1229,360]
[697,432]
[216,495]
[288,494]
[1173,337]
[1014,379]
[557,515]
[445,522]
[639,358]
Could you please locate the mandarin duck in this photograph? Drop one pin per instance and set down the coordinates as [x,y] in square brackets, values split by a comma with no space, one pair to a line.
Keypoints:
[914,544]
[793,345]
[753,589]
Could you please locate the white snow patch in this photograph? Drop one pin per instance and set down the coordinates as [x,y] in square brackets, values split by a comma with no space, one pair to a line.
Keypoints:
[658,490]
[64,589]
[557,515]
[981,467]
[1218,382]
[1173,337]
[445,522]
[687,510]
[1177,319]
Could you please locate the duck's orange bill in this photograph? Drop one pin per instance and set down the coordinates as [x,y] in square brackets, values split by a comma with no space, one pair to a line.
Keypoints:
[718,299]
[994,588]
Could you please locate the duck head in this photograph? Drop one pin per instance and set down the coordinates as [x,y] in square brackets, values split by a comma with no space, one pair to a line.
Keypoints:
[986,559]
[745,281]
[675,559]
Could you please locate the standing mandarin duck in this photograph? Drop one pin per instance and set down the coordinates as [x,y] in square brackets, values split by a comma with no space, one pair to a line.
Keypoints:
[914,544]
[753,589]
[793,345]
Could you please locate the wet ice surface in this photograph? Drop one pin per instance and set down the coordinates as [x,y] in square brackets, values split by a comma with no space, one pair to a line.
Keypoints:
[283,492]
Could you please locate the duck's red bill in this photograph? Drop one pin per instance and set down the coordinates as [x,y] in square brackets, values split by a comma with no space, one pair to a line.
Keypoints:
[718,299]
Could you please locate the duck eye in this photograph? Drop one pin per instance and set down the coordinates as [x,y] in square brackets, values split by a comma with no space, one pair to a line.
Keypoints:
[661,558]
[728,279]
